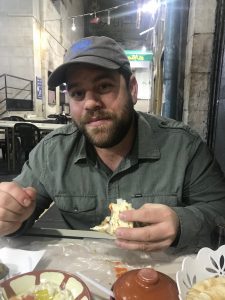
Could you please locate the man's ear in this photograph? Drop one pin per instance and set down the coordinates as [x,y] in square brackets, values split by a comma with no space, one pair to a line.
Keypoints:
[133,86]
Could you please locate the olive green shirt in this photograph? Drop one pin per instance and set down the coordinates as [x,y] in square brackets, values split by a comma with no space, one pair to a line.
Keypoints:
[168,164]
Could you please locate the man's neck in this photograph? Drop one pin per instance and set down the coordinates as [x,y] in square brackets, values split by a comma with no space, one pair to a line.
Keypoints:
[113,156]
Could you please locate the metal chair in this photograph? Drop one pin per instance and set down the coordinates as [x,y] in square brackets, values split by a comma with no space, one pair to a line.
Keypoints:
[26,137]
[13,118]
[3,145]
[60,118]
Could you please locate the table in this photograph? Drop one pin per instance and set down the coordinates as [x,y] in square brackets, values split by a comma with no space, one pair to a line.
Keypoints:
[94,257]
[9,126]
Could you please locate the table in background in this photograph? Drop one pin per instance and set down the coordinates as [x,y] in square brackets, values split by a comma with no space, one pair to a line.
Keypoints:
[9,126]
[94,257]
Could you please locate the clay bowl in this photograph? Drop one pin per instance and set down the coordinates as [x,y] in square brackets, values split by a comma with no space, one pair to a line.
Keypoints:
[23,283]
[145,284]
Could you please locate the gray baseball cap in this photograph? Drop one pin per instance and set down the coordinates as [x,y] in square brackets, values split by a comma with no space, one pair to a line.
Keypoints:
[96,50]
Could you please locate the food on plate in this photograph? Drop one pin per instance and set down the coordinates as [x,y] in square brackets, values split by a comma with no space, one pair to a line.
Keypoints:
[4,270]
[45,291]
[111,223]
[208,289]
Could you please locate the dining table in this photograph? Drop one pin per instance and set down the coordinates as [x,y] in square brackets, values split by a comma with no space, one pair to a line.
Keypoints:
[8,126]
[92,254]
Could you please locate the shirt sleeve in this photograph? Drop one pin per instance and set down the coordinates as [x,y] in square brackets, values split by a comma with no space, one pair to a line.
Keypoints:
[203,199]
[31,175]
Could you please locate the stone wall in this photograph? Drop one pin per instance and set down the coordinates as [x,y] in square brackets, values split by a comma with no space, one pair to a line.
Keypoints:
[34,37]
[198,64]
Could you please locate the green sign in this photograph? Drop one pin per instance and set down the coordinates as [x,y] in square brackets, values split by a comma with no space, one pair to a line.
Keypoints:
[135,55]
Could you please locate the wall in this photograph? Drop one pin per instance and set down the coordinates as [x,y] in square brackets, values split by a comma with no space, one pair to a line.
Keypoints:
[34,37]
[198,64]
[55,38]
[16,47]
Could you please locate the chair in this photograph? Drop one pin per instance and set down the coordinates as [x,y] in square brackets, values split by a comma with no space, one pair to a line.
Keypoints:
[3,144]
[13,118]
[26,137]
[16,118]
[61,119]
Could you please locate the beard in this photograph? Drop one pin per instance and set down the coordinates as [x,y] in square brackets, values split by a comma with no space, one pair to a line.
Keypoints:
[109,135]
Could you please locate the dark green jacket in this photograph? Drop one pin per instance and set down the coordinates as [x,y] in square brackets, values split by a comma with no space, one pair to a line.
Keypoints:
[168,164]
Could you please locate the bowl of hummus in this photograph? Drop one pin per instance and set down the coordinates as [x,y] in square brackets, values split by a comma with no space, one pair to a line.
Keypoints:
[45,284]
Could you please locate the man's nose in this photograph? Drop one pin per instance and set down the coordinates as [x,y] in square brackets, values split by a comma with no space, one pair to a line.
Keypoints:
[92,100]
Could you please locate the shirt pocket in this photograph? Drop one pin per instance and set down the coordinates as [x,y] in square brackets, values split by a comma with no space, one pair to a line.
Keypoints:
[166,199]
[78,211]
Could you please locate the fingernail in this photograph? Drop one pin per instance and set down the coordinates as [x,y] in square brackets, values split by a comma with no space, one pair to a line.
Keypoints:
[26,202]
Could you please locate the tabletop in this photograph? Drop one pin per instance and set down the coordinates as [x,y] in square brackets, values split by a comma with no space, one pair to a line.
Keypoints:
[42,126]
[96,258]
[9,126]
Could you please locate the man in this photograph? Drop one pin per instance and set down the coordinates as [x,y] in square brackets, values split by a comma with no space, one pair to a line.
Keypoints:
[111,152]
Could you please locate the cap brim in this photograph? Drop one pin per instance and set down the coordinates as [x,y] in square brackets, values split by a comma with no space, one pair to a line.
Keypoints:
[58,76]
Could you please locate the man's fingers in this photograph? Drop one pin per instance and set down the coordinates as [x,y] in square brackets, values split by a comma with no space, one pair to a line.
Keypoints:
[8,228]
[147,233]
[147,214]
[12,190]
[30,192]
[144,214]
[143,246]
[16,205]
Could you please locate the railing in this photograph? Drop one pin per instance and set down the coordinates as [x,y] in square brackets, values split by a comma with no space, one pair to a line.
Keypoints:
[16,93]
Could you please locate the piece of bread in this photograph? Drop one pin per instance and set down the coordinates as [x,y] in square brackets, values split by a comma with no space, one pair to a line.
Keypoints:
[111,223]
[208,289]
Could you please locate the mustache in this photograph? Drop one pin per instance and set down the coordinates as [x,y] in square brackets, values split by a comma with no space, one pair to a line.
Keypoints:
[97,115]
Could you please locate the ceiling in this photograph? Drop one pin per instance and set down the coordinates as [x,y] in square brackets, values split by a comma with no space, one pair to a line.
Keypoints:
[119,20]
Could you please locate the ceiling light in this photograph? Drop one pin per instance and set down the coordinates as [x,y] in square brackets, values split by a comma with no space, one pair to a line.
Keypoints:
[73,25]
[151,7]
[108,18]
[95,20]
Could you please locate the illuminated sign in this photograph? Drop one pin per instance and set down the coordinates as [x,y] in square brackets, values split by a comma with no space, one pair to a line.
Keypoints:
[139,56]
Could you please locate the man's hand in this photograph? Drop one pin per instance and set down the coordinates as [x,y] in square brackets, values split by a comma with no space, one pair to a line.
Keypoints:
[16,205]
[160,228]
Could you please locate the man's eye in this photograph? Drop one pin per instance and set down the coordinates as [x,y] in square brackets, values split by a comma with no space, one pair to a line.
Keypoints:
[77,95]
[105,87]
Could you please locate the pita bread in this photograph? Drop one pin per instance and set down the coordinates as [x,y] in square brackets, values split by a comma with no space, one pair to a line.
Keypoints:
[111,223]
[209,289]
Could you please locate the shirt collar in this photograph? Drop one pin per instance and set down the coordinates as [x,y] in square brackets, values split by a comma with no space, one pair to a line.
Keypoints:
[81,153]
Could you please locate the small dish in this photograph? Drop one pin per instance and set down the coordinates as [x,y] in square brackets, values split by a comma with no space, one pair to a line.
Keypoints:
[207,263]
[23,283]
[145,284]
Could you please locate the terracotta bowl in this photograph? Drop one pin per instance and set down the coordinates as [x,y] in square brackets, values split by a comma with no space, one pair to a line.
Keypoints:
[145,284]
[23,283]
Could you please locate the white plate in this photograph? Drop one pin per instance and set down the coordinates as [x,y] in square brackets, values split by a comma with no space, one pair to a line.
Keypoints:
[69,233]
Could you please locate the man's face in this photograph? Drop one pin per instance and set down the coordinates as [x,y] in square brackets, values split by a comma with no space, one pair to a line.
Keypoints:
[100,104]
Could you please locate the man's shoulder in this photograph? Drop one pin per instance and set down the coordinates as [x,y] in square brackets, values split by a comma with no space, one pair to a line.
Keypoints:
[159,123]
